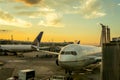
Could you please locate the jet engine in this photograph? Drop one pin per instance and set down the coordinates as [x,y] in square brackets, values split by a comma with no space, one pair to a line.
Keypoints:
[57,62]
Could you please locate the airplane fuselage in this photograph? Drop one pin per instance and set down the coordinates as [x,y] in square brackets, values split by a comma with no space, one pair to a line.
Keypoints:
[17,48]
[75,56]
[14,48]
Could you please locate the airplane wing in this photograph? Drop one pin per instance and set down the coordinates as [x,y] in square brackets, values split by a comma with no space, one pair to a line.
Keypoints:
[40,48]
[49,52]
[46,49]
[95,58]
[94,61]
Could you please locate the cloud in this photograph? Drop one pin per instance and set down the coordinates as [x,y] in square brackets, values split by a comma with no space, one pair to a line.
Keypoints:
[1,1]
[118,4]
[29,2]
[3,30]
[49,24]
[91,9]
[51,19]
[47,16]
[61,5]
[6,16]
[28,13]
[35,13]
[20,7]
[7,19]
[50,12]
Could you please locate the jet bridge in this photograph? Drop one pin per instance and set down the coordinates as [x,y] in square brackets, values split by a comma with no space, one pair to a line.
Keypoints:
[111,61]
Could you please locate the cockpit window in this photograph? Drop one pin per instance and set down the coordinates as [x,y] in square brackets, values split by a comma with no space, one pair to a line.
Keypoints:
[68,53]
[62,52]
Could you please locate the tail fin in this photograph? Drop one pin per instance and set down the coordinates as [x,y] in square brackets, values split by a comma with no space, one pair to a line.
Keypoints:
[78,42]
[37,40]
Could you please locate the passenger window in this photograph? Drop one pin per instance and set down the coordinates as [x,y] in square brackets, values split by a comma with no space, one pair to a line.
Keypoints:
[74,53]
[69,53]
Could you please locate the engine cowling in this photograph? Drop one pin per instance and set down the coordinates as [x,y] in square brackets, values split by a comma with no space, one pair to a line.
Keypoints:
[57,62]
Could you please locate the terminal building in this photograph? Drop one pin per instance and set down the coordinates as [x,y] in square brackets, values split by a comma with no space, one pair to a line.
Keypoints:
[110,69]
[111,61]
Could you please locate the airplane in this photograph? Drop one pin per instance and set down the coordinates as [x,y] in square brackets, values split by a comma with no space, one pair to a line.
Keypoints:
[14,48]
[75,57]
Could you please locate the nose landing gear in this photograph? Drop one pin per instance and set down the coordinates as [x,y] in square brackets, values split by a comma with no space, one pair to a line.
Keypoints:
[69,74]
[68,71]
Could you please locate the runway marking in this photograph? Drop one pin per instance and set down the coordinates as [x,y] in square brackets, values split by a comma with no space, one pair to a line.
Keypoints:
[16,61]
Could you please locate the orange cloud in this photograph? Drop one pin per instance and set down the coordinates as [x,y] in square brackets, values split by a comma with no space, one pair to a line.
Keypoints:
[29,2]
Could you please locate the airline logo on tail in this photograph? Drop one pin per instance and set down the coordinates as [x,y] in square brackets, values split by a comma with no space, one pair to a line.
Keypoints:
[37,40]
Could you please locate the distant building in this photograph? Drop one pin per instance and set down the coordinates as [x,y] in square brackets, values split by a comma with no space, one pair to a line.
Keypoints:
[116,39]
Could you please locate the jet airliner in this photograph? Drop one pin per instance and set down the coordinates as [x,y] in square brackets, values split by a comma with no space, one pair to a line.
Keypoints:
[14,48]
[74,57]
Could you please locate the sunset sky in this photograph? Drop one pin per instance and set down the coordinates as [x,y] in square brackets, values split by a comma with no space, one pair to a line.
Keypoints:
[61,20]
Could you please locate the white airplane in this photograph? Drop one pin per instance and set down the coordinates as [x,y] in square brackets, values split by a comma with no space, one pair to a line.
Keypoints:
[14,48]
[75,57]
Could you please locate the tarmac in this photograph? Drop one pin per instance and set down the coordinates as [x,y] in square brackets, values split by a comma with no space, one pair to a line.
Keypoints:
[44,67]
